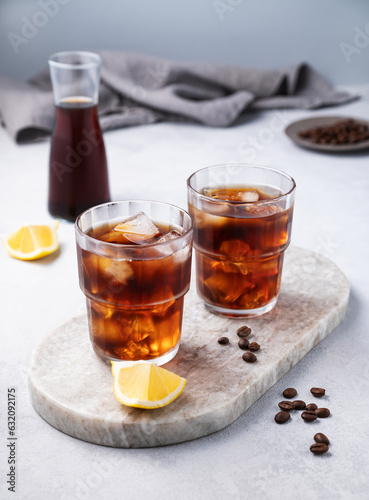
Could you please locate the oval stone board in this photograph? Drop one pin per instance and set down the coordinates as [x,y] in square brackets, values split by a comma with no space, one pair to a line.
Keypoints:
[79,399]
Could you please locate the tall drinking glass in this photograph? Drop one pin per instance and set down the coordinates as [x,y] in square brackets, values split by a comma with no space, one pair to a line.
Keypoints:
[78,172]
[134,262]
[242,226]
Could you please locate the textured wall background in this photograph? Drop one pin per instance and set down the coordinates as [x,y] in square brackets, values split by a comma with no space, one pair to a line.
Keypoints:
[332,35]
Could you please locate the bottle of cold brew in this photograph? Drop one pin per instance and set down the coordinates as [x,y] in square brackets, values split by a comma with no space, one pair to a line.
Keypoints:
[78,172]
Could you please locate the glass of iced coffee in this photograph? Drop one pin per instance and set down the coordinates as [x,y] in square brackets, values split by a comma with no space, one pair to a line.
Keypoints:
[134,260]
[242,226]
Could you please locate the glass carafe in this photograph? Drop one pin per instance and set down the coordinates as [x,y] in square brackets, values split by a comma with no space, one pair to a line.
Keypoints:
[78,173]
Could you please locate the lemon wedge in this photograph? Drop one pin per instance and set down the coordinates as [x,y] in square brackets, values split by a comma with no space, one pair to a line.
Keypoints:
[145,385]
[32,242]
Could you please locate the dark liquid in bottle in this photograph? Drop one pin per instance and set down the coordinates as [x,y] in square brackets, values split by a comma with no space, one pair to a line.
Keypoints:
[78,174]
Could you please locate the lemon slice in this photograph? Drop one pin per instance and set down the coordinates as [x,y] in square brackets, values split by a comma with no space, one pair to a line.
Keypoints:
[145,385]
[32,242]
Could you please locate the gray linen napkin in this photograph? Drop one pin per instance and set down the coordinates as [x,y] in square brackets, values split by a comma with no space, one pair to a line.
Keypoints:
[138,89]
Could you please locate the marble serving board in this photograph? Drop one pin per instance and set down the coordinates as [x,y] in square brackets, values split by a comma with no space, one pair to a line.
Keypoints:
[76,395]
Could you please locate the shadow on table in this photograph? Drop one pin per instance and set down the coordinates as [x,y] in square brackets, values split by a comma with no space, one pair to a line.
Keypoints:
[49,259]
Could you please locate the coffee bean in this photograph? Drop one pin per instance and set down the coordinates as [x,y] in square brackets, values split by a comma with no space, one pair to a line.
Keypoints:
[290,393]
[342,132]
[249,357]
[286,405]
[244,331]
[317,392]
[299,405]
[282,417]
[321,438]
[243,344]
[322,412]
[309,416]
[254,346]
[319,448]
[223,340]
[311,407]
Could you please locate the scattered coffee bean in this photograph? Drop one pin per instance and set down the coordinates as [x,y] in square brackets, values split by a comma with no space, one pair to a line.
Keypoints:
[286,405]
[244,331]
[282,417]
[311,407]
[317,392]
[322,412]
[254,346]
[223,340]
[321,438]
[309,416]
[290,393]
[319,448]
[299,405]
[243,344]
[249,357]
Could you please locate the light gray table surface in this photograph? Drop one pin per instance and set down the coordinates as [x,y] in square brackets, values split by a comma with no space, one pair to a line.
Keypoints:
[253,457]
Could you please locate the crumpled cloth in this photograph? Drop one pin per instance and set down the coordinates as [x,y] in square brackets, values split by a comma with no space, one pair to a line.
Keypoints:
[139,89]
